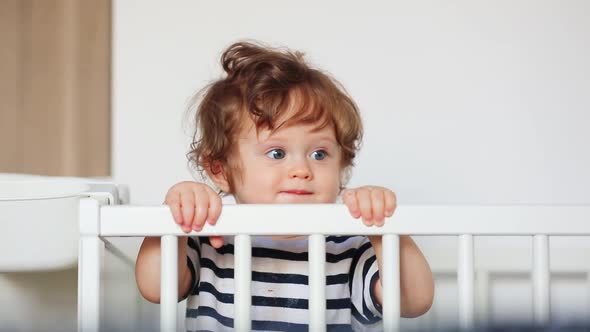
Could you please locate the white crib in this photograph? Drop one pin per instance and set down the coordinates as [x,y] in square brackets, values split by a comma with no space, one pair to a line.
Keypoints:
[540,222]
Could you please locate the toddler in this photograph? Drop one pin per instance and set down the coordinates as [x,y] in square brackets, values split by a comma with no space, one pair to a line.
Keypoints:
[275,130]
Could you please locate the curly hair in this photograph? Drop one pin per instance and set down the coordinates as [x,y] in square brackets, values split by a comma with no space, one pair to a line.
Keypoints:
[264,84]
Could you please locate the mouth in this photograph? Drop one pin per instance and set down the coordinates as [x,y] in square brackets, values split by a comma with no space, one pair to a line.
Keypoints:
[296,192]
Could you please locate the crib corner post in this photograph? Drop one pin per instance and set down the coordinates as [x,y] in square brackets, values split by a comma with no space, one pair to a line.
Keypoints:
[90,252]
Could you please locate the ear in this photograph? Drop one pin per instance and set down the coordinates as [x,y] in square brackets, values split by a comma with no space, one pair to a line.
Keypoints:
[218,174]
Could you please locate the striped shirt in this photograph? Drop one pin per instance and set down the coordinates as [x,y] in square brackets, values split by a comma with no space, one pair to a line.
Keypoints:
[280,285]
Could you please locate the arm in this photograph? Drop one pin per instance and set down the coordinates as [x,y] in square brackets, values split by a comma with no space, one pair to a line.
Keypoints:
[192,204]
[373,204]
[147,269]
[416,282]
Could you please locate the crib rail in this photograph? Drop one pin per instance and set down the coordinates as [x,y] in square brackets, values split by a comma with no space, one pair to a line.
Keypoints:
[316,221]
[302,219]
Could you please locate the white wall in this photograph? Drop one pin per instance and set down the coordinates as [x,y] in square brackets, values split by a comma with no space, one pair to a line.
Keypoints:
[467,102]
[463,102]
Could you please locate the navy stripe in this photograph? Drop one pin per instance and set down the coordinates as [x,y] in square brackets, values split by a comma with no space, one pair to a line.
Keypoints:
[193,245]
[277,278]
[279,254]
[219,272]
[204,240]
[192,290]
[210,312]
[260,252]
[282,302]
[334,304]
[206,287]
[337,279]
[285,278]
[374,279]
[299,256]
[338,239]
[372,318]
[260,324]
[339,327]
[358,316]
[224,249]
[355,261]
[336,258]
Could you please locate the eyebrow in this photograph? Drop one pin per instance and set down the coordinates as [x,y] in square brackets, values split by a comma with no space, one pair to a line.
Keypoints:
[326,139]
[323,138]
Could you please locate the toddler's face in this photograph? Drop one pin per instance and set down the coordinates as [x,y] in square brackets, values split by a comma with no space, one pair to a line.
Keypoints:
[296,164]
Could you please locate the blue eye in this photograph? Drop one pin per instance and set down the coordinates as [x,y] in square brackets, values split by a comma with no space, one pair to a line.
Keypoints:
[276,154]
[319,155]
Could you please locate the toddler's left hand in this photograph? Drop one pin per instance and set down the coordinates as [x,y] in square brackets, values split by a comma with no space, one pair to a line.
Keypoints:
[372,203]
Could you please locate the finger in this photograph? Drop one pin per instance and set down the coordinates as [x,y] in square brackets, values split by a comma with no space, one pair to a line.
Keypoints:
[214,207]
[364,201]
[185,228]
[201,209]
[349,198]
[378,204]
[187,205]
[173,202]
[216,241]
[390,203]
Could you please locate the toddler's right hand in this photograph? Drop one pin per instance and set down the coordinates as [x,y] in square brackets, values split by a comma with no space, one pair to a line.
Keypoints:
[192,204]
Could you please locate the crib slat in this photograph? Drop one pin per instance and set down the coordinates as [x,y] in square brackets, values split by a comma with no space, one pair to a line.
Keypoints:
[541,280]
[317,283]
[168,283]
[242,280]
[482,286]
[89,284]
[390,279]
[89,264]
[465,282]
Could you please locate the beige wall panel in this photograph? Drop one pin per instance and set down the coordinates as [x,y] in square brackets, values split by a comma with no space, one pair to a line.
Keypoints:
[93,87]
[11,15]
[55,87]
[44,88]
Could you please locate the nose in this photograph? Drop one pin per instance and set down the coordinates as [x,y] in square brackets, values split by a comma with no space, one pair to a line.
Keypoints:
[300,170]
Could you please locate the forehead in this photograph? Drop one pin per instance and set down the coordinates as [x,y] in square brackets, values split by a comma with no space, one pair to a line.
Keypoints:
[250,133]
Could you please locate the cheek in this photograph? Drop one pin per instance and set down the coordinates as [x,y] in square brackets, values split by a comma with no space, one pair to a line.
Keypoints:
[261,177]
[330,179]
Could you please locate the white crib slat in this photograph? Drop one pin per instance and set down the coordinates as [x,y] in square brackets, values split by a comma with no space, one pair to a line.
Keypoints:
[465,282]
[317,283]
[89,264]
[541,280]
[588,293]
[89,289]
[390,279]
[482,286]
[168,283]
[242,280]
